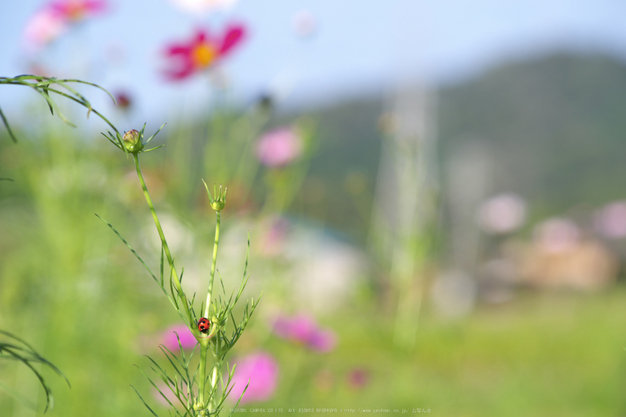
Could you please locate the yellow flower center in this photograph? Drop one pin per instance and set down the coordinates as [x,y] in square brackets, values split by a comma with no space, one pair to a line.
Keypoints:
[75,11]
[203,55]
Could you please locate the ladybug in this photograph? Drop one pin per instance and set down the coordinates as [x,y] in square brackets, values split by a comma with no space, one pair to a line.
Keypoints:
[203,325]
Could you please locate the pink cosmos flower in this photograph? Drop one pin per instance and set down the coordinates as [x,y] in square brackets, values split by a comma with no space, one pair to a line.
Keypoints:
[302,329]
[279,147]
[260,372]
[187,339]
[43,27]
[502,214]
[201,52]
[75,10]
[54,19]
[611,220]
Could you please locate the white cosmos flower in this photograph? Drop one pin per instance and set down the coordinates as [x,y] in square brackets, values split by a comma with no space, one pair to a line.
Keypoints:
[503,213]
[200,6]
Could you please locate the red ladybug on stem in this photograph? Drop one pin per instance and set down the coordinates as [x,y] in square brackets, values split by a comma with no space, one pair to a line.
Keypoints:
[203,325]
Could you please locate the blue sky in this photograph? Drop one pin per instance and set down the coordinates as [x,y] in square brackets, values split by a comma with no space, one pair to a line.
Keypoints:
[360,46]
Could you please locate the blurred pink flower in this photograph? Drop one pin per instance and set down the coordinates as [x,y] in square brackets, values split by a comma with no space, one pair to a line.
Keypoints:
[123,100]
[75,10]
[201,52]
[43,27]
[260,371]
[200,6]
[502,213]
[274,236]
[611,220]
[557,234]
[358,378]
[279,147]
[302,329]
[54,19]
[187,339]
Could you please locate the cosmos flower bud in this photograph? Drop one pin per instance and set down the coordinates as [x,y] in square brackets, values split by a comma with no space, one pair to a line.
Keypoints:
[219,202]
[132,141]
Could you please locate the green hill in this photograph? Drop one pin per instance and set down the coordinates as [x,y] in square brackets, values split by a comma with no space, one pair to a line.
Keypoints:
[555,128]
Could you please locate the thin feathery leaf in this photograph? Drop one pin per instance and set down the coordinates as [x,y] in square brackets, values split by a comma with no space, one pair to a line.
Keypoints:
[219,275]
[161,266]
[90,84]
[169,359]
[153,135]
[171,384]
[42,382]
[131,249]
[113,140]
[27,354]
[7,126]
[152,149]
[144,401]
[240,397]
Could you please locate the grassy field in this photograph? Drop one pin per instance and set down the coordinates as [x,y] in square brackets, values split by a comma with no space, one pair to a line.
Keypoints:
[541,355]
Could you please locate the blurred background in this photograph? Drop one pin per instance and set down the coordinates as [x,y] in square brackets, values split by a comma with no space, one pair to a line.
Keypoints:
[434,196]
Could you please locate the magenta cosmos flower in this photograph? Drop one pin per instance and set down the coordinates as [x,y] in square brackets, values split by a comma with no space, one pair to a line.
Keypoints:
[201,52]
[303,330]
[279,147]
[187,339]
[259,371]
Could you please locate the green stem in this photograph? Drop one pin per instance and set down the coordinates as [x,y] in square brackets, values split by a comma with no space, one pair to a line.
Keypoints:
[202,371]
[166,247]
[216,375]
[213,263]
[216,366]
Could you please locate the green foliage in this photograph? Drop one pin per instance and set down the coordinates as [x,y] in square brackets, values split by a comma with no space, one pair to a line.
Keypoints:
[46,87]
[14,348]
[17,349]
[183,385]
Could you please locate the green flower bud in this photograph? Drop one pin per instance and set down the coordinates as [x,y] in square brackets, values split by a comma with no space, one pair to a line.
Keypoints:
[132,141]
[219,202]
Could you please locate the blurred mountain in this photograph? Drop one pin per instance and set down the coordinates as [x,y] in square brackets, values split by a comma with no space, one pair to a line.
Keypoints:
[553,129]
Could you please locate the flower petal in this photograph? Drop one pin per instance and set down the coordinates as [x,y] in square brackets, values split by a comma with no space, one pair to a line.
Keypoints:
[180,74]
[234,35]
[259,372]
[178,50]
